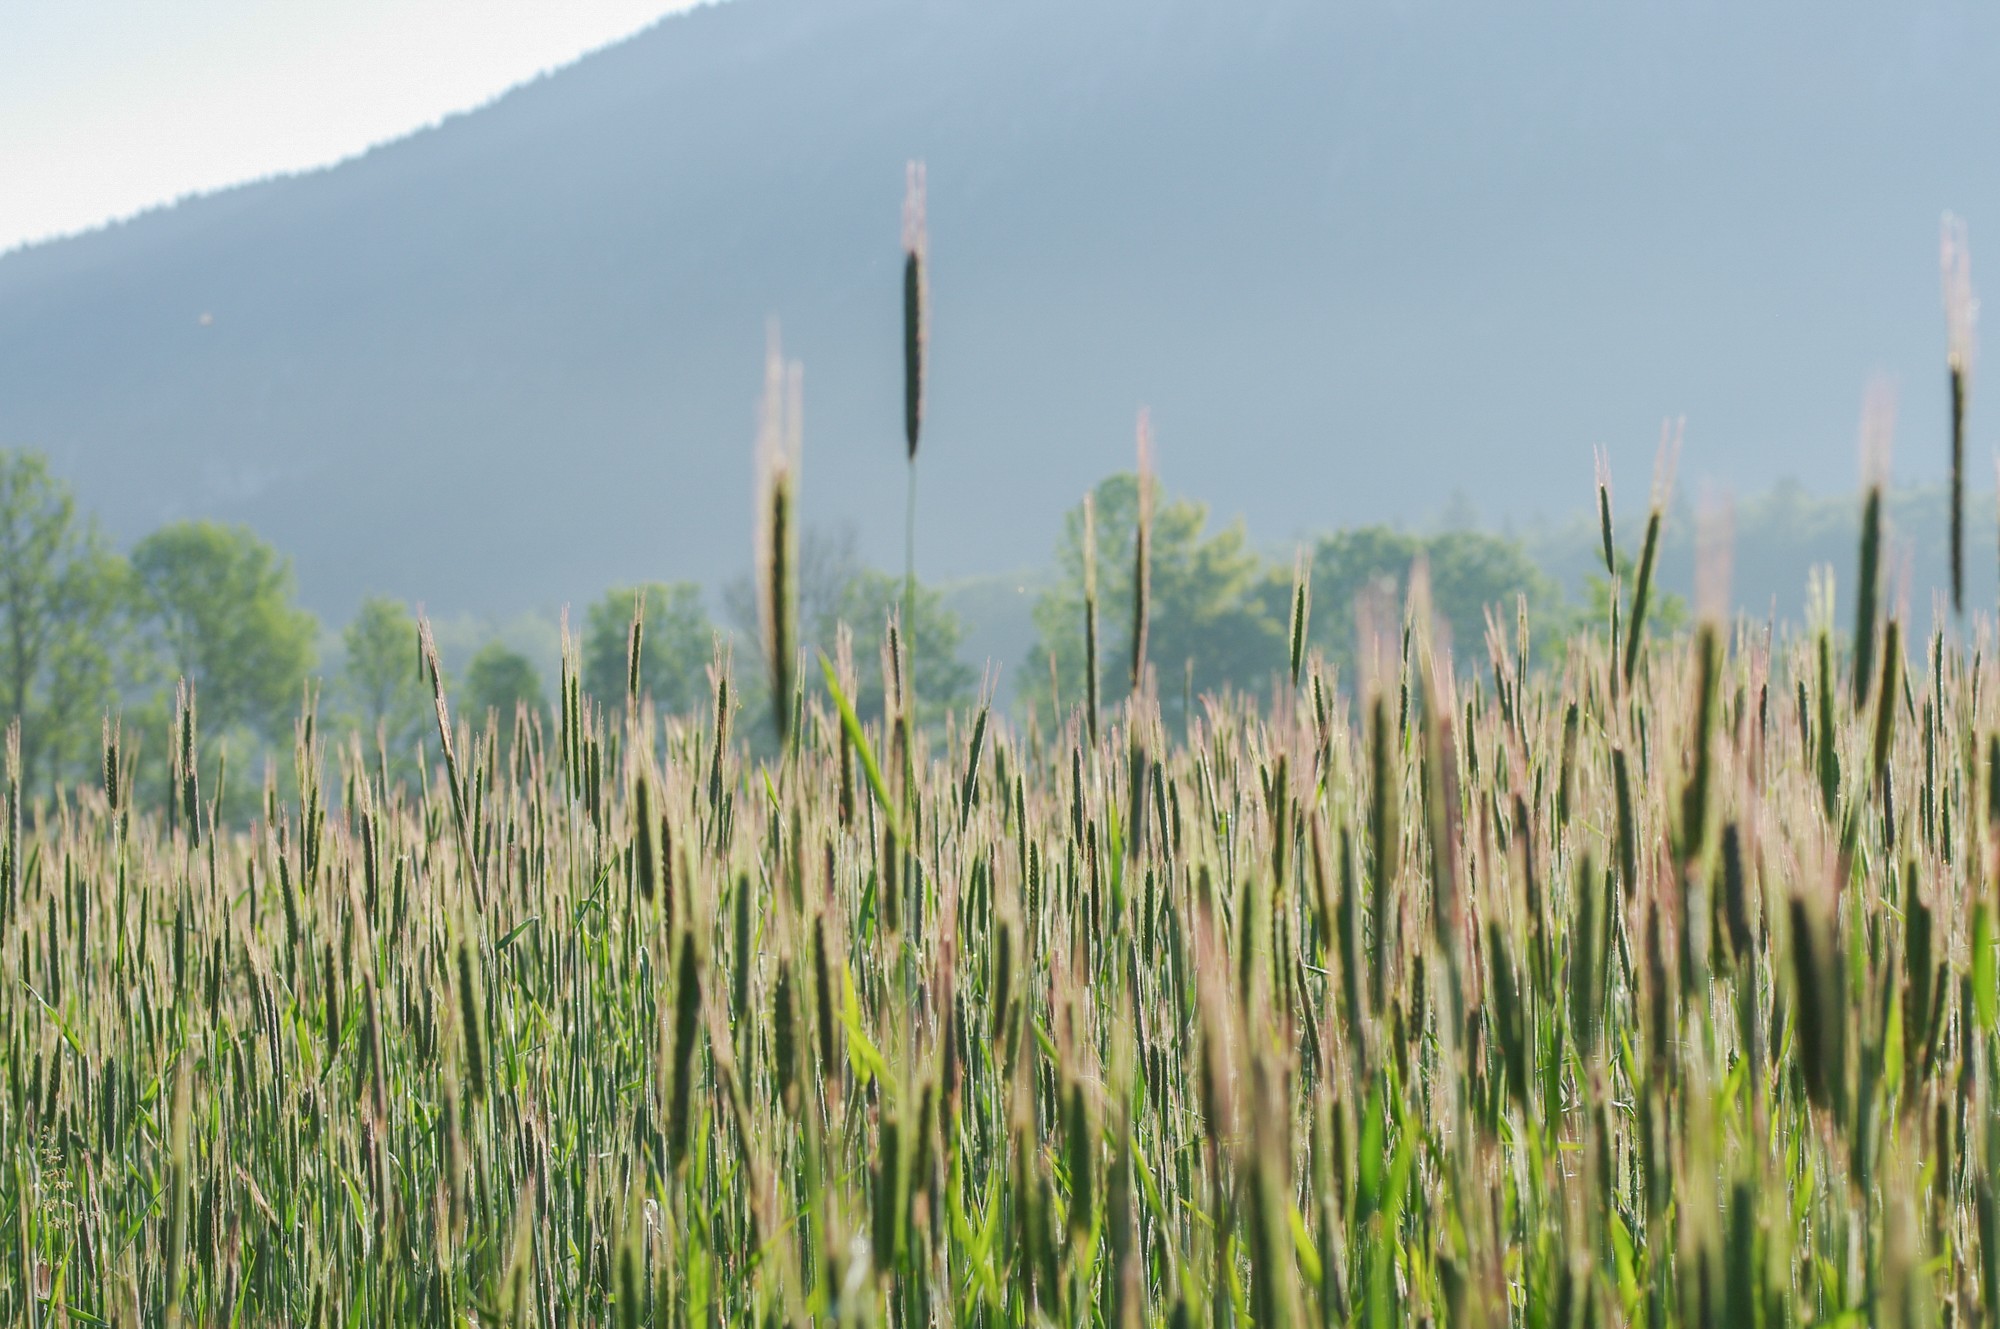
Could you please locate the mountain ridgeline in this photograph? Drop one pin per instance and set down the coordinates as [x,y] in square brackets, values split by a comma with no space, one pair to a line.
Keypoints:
[1351,256]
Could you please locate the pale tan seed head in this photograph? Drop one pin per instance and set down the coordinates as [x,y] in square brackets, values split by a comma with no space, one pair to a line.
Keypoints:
[1961,306]
[916,232]
[1667,460]
[1142,549]
[1714,541]
[1878,431]
[779,429]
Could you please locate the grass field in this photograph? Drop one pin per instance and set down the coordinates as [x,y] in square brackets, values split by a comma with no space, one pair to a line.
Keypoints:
[1654,988]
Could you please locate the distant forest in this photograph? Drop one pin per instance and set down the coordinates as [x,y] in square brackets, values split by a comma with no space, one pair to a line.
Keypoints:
[89,631]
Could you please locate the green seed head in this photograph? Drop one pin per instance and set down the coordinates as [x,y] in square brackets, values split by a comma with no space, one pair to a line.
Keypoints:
[1961,310]
[687,1009]
[777,538]
[916,331]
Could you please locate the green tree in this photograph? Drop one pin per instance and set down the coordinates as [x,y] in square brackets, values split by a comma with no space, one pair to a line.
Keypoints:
[1469,571]
[218,604]
[503,681]
[61,594]
[674,654]
[380,687]
[1473,570]
[1217,611]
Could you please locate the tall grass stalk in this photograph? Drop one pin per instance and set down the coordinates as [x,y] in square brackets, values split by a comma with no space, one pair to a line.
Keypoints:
[1961,309]
[777,534]
[1642,586]
[1301,601]
[916,345]
[1877,434]
[1090,705]
[1142,546]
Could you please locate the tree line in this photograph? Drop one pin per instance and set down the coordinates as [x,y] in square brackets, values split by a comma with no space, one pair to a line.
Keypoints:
[89,632]
[92,636]
[1219,611]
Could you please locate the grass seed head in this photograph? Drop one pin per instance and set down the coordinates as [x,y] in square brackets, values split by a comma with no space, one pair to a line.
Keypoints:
[687,1024]
[778,438]
[1961,312]
[1604,511]
[916,329]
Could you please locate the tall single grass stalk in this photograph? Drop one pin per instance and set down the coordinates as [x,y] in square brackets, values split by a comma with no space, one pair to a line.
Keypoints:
[635,644]
[916,334]
[1142,546]
[778,438]
[1695,794]
[1301,614]
[1865,592]
[1712,557]
[1961,312]
[1642,589]
[1877,434]
[1643,585]
[1385,840]
[1885,705]
[186,773]
[1090,616]
[1603,462]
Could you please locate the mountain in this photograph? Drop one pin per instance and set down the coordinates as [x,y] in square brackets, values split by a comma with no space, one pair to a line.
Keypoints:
[1355,257]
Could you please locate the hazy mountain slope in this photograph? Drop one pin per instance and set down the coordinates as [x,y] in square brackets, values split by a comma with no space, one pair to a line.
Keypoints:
[1354,256]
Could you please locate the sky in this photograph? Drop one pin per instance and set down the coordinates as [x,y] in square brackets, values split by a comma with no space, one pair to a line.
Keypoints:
[109,107]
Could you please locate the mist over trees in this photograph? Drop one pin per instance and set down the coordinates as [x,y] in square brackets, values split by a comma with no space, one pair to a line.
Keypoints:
[1220,610]
[88,632]
[571,283]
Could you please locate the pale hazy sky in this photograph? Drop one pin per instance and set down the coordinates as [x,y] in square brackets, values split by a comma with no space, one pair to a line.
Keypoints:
[108,107]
